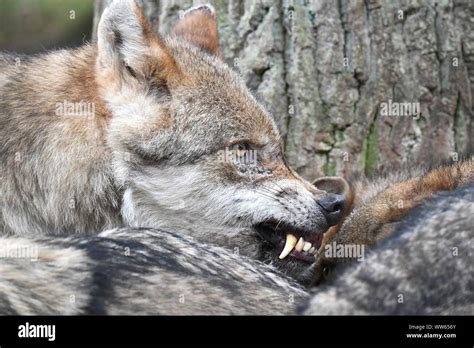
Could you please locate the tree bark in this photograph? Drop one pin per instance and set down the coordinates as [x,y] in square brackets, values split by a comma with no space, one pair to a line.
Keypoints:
[325,68]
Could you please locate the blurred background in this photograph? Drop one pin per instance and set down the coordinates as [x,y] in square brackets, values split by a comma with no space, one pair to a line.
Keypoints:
[32,26]
[323,68]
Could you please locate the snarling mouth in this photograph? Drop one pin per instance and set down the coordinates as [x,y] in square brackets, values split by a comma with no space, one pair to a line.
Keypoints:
[290,241]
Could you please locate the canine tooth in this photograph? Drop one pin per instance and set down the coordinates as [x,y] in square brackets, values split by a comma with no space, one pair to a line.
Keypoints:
[289,245]
[311,250]
[307,246]
[300,244]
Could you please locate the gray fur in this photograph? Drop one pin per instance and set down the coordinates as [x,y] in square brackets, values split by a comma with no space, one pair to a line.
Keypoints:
[42,278]
[140,271]
[417,261]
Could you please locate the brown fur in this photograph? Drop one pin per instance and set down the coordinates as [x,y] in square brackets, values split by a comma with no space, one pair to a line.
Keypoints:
[379,205]
[199,28]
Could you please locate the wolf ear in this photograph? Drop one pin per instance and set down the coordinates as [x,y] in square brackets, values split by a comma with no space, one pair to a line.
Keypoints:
[198,26]
[124,37]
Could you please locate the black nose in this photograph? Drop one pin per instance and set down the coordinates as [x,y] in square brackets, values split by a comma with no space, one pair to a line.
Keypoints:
[332,207]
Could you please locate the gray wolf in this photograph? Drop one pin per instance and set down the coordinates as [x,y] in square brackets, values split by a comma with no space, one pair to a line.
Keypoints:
[376,206]
[425,267]
[132,132]
[133,271]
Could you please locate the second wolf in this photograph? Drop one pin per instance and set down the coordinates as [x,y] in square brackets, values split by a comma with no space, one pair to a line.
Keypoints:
[376,206]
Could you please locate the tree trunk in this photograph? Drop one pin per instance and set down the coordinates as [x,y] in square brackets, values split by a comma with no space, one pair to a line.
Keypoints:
[327,70]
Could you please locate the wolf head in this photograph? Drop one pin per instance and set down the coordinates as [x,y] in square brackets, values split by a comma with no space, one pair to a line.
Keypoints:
[194,151]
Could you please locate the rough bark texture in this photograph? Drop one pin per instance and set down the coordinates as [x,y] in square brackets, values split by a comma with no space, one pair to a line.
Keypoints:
[323,68]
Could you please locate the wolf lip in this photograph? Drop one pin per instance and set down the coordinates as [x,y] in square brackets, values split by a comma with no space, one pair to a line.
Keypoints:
[290,241]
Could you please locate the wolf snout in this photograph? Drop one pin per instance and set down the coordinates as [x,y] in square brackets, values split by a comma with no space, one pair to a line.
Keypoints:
[332,207]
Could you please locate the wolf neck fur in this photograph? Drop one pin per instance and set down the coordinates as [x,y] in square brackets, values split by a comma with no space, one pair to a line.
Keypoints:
[84,197]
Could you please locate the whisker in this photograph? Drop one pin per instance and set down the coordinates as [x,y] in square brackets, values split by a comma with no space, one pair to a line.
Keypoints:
[282,188]
[278,224]
[269,188]
[266,194]
[269,191]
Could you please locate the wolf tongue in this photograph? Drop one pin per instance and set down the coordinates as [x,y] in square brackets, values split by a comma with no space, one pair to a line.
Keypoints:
[289,245]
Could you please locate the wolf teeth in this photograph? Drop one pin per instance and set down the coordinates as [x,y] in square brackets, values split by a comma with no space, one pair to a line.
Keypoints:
[300,244]
[289,245]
